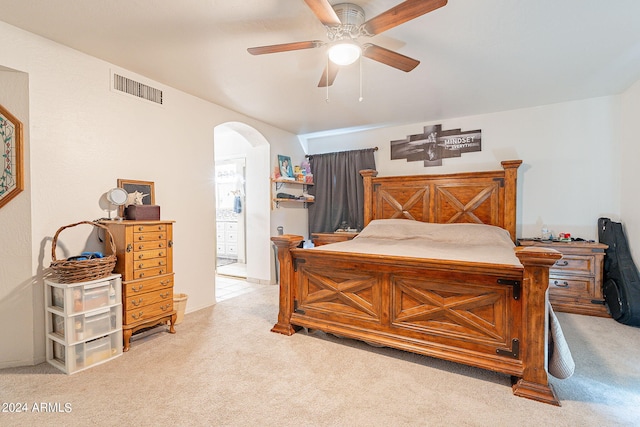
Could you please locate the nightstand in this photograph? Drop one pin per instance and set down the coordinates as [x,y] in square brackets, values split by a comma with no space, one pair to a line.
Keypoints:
[575,280]
[320,239]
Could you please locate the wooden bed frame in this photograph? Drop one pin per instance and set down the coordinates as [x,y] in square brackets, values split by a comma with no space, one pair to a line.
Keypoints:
[485,315]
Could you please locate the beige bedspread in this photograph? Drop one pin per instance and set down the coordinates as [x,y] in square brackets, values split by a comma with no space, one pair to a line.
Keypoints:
[415,239]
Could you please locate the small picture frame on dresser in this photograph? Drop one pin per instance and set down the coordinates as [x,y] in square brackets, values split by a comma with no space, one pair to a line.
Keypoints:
[145,188]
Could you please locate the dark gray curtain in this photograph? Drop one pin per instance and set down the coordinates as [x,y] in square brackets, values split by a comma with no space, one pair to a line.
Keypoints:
[338,189]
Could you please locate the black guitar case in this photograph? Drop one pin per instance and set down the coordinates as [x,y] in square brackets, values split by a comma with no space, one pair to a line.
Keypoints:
[621,286]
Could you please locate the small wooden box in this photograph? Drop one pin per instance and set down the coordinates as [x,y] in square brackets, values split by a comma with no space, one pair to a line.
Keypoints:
[142,212]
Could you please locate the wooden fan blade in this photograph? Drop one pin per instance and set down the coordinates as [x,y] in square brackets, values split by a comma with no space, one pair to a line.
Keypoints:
[285,47]
[331,70]
[323,10]
[389,57]
[405,11]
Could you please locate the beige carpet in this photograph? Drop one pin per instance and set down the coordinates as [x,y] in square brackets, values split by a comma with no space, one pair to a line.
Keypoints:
[224,367]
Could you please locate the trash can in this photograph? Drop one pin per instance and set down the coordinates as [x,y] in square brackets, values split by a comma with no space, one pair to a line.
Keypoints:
[179,303]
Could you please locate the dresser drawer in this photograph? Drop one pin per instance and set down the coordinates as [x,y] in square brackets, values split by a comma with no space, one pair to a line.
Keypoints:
[138,287]
[150,263]
[148,311]
[151,245]
[154,253]
[574,264]
[149,272]
[143,228]
[135,302]
[149,237]
[571,286]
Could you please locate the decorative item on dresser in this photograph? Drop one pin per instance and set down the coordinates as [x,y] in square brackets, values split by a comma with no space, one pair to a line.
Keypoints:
[575,281]
[145,260]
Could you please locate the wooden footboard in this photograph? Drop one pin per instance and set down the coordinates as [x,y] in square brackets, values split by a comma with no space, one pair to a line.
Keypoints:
[484,315]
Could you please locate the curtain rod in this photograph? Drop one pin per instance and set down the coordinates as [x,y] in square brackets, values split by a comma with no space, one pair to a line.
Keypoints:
[308,156]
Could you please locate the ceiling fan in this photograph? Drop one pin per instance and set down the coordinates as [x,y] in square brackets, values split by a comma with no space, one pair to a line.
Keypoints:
[345,24]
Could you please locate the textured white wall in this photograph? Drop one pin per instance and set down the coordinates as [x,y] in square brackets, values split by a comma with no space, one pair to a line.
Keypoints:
[570,151]
[17,289]
[630,167]
[83,137]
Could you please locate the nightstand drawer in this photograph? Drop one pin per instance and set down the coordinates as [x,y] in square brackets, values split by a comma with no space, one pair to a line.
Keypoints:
[575,286]
[574,264]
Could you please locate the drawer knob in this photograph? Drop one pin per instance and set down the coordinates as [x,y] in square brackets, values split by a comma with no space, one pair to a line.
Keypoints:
[170,243]
[136,303]
[564,284]
[140,237]
[562,263]
[141,228]
[137,316]
[165,295]
[165,282]
[129,248]
[140,256]
[165,307]
[138,289]
[141,275]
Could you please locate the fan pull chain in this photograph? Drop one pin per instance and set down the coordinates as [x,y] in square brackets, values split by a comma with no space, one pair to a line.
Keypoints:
[327,80]
[361,98]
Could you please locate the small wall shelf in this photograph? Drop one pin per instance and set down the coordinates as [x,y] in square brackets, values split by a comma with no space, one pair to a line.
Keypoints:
[280,183]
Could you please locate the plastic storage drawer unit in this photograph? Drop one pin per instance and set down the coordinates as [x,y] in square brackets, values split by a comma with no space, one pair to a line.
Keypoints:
[83,322]
[75,298]
[85,326]
[73,358]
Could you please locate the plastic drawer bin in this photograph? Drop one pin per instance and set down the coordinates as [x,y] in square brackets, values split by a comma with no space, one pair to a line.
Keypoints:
[86,354]
[87,325]
[85,296]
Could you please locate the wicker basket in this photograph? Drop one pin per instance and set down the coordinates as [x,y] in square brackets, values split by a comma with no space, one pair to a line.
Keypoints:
[73,271]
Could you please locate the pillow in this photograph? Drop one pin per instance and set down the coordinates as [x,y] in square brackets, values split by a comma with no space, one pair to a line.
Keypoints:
[467,234]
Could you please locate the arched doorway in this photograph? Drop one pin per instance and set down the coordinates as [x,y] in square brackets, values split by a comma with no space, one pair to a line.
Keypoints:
[238,146]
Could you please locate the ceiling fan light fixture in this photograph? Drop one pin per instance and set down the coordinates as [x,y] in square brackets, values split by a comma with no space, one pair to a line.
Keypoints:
[344,53]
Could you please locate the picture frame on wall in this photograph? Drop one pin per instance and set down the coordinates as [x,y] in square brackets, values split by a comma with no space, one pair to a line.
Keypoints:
[11,172]
[286,169]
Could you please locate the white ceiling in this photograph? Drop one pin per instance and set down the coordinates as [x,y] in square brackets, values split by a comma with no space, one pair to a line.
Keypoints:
[477,56]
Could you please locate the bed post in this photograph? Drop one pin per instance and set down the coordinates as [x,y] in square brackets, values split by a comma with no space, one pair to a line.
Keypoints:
[285,243]
[534,383]
[367,176]
[510,188]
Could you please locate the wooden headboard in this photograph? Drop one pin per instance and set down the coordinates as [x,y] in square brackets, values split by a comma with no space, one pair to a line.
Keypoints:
[471,197]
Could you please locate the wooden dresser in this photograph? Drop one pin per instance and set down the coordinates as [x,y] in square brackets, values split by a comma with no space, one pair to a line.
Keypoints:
[145,260]
[575,280]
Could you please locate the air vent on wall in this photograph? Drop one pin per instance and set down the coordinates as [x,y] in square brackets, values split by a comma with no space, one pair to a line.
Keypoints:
[140,90]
